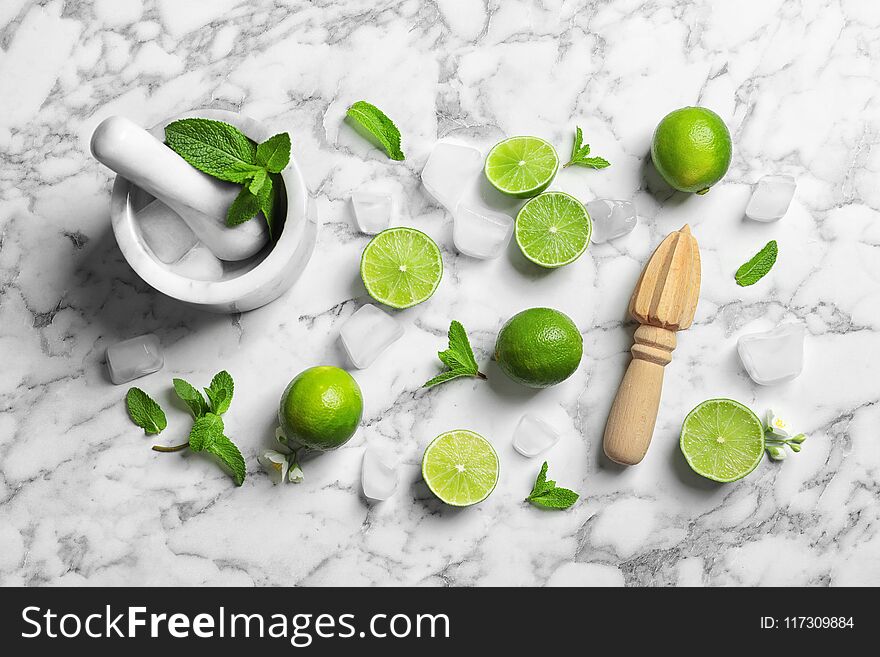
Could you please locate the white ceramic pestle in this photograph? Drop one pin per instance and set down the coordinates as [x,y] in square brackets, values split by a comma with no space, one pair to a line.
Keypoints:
[201,200]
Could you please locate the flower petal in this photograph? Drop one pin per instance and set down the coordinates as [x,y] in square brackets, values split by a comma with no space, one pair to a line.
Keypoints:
[777,426]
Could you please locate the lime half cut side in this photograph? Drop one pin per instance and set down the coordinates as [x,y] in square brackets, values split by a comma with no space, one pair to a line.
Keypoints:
[460,467]
[722,440]
[553,229]
[401,267]
[521,166]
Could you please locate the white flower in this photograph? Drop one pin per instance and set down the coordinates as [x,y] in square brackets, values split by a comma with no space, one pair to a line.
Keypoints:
[276,464]
[777,426]
[280,437]
[294,474]
[776,452]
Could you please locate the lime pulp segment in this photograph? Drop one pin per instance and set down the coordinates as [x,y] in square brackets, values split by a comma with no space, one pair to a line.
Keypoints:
[460,467]
[722,440]
[553,229]
[401,267]
[521,166]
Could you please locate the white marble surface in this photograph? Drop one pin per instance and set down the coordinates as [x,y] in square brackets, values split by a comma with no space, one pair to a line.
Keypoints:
[84,500]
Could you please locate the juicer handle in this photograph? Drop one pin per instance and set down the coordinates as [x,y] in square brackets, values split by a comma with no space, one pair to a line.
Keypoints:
[634,411]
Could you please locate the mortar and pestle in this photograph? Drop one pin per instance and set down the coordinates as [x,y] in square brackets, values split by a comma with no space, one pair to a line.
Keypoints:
[169,220]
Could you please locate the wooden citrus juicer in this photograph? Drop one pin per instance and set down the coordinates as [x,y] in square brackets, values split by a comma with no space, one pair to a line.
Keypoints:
[663,303]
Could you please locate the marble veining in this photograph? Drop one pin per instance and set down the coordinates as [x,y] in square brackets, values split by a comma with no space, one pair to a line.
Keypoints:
[84,500]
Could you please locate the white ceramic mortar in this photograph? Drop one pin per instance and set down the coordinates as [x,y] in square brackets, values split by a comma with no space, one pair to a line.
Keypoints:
[261,279]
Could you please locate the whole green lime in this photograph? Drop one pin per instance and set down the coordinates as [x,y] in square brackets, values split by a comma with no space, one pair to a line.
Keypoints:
[321,408]
[691,149]
[539,347]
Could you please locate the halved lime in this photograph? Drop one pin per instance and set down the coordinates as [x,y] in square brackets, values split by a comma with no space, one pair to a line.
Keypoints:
[553,229]
[722,440]
[521,166]
[460,467]
[401,267]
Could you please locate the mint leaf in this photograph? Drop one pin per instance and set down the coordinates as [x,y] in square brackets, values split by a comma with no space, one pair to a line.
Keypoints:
[594,162]
[220,392]
[274,153]
[266,199]
[756,268]
[444,377]
[580,151]
[546,494]
[145,412]
[541,483]
[228,453]
[245,207]
[214,147]
[577,150]
[205,431]
[261,178]
[556,498]
[372,123]
[191,397]
[459,357]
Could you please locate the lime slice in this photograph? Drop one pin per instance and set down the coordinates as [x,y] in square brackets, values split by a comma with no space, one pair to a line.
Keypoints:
[401,267]
[722,440]
[553,229]
[460,467]
[521,166]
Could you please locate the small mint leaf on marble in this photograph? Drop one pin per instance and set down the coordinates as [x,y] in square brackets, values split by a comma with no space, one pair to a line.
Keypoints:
[580,151]
[372,123]
[459,357]
[546,494]
[145,412]
[758,266]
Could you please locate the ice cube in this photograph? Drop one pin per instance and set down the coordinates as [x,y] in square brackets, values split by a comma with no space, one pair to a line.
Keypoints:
[199,264]
[611,219]
[167,235]
[533,435]
[134,358]
[372,211]
[367,333]
[771,198]
[773,356]
[481,232]
[449,170]
[378,475]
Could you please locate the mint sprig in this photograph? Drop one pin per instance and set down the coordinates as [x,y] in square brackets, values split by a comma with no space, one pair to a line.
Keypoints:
[207,433]
[145,412]
[546,494]
[226,153]
[373,124]
[580,152]
[458,358]
[758,266]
